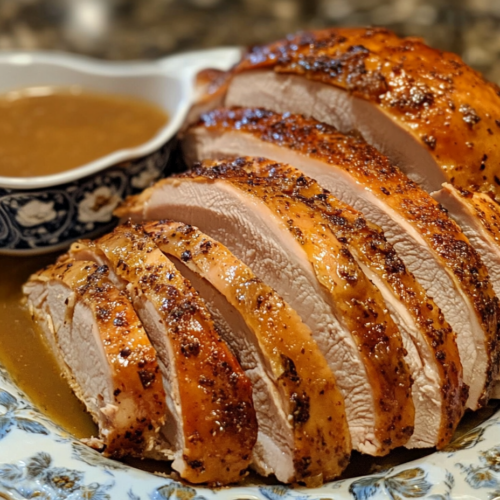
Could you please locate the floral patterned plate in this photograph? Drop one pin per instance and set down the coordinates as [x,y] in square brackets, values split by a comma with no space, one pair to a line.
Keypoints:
[39,459]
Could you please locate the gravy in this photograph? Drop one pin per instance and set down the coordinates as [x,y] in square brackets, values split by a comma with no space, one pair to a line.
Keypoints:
[48,130]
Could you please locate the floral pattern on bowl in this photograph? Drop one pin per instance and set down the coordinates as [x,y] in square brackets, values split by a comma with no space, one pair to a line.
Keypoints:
[38,459]
[35,221]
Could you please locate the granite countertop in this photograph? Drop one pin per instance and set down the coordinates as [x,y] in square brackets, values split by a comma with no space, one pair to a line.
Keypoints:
[145,29]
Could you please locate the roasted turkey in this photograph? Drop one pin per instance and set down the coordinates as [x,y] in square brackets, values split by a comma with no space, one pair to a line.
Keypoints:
[431,114]
[324,276]
[303,432]
[287,242]
[213,427]
[105,354]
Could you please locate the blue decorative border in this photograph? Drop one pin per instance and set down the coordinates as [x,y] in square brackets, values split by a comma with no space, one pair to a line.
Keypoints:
[32,220]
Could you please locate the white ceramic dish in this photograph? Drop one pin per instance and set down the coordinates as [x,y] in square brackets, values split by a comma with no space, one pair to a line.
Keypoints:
[45,213]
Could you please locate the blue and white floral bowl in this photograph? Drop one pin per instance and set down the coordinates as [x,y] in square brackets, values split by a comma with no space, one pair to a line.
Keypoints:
[46,213]
[49,218]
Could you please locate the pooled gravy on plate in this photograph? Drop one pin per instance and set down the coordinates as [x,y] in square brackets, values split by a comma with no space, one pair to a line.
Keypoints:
[25,356]
[47,130]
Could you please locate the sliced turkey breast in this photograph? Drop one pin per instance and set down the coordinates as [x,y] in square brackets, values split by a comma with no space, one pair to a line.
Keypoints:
[105,354]
[438,390]
[303,433]
[290,246]
[429,112]
[215,428]
[430,243]
[479,217]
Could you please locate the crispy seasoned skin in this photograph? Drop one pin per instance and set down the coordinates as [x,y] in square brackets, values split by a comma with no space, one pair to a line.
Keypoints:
[209,91]
[290,246]
[116,375]
[209,395]
[438,390]
[479,217]
[430,243]
[300,409]
[437,118]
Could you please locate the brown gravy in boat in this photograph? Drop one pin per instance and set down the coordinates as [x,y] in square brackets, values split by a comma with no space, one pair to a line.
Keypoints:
[49,130]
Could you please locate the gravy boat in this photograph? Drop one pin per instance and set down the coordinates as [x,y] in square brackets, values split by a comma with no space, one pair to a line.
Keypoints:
[45,213]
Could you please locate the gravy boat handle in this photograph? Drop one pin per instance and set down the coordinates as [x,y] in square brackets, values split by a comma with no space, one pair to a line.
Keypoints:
[186,65]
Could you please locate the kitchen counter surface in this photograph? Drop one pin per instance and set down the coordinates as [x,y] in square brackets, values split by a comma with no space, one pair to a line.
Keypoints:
[144,29]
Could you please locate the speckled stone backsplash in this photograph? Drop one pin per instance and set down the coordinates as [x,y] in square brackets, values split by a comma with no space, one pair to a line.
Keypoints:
[133,29]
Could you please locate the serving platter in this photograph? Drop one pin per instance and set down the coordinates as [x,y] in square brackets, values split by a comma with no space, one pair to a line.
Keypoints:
[39,458]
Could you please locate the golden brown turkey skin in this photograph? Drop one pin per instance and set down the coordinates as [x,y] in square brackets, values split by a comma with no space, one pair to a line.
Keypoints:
[479,217]
[447,106]
[486,210]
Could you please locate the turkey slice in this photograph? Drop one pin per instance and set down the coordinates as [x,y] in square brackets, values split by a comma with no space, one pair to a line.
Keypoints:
[104,353]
